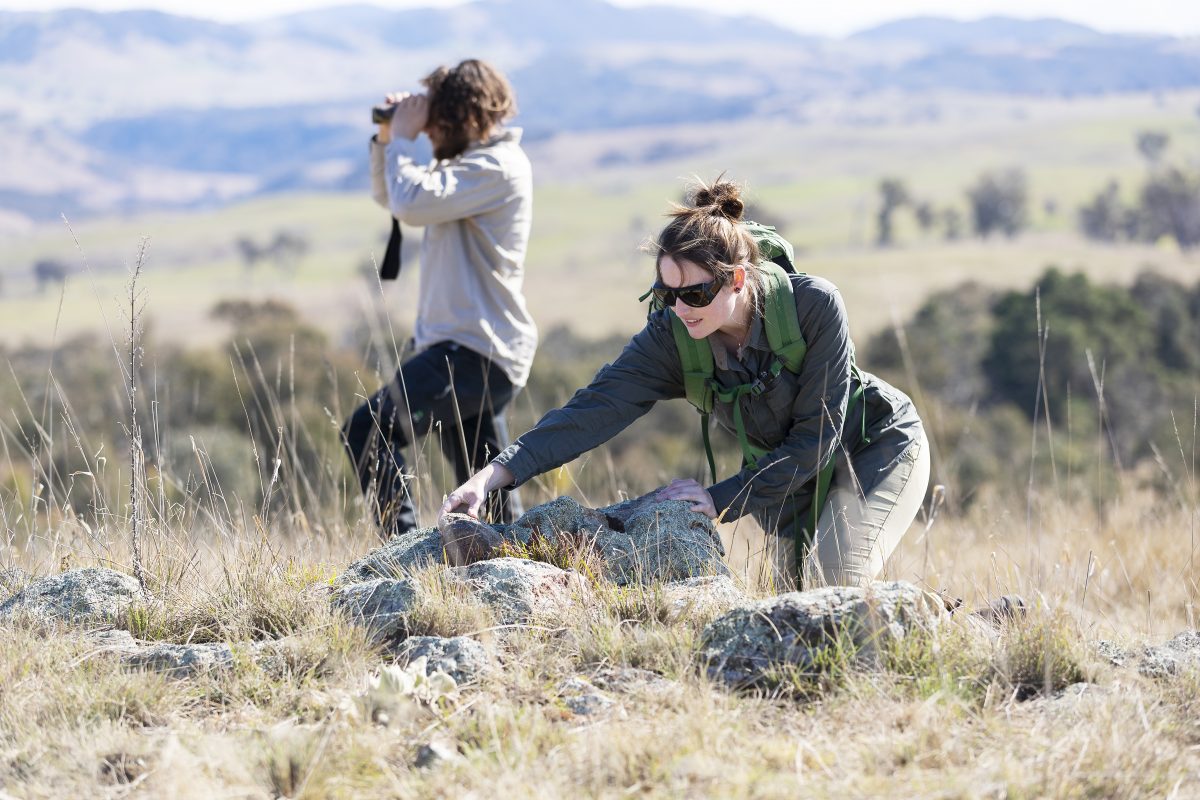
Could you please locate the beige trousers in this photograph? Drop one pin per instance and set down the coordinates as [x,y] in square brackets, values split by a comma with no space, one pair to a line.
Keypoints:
[856,533]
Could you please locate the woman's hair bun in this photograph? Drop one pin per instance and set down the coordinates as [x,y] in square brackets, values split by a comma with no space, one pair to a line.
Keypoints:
[723,197]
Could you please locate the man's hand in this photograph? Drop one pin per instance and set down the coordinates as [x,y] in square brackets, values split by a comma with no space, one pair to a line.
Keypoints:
[472,493]
[693,492]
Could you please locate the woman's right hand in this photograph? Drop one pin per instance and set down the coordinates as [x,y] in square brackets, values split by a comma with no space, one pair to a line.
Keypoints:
[472,493]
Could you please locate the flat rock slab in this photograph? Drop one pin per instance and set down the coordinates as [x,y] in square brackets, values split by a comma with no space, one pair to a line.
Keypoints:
[520,590]
[745,646]
[460,657]
[181,660]
[91,595]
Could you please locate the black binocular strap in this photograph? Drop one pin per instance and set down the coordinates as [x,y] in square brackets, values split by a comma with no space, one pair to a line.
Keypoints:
[389,268]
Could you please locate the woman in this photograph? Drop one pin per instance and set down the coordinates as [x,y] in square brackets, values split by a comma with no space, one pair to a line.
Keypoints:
[711,277]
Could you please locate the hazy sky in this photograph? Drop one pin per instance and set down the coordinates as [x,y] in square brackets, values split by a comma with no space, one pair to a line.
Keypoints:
[1177,17]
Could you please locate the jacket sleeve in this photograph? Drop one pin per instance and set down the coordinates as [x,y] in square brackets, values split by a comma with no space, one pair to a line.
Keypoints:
[425,194]
[646,371]
[818,414]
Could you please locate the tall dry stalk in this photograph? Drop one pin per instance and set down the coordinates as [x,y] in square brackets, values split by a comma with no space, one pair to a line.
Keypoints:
[137,458]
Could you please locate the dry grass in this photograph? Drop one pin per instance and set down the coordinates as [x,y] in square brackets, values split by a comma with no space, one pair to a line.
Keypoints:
[943,714]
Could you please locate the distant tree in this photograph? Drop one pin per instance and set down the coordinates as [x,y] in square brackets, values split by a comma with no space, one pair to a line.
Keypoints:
[893,193]
[1050,207]
[250,252]
[48,271]
[999,203]
[287,249]
[1104,218]
[952,223]
[1152,145]
[926,216]
[1170,206]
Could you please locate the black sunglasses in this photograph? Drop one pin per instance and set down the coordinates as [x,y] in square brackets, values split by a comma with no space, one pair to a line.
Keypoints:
[698,295]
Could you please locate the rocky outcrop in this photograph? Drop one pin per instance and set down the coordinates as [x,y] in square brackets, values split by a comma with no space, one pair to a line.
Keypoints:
[460,657]
[92,595]
[745,646]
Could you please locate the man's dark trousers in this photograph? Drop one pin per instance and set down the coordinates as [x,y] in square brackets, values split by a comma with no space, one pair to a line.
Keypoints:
[433,390]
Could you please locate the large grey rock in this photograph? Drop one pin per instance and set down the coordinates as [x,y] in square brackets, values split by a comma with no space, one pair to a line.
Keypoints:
[90,595]
[181,660]
[798,629]
[561,517]
[380,605]
[520,590]
[662,541]
[460,657]
[1180,653]
[413,551]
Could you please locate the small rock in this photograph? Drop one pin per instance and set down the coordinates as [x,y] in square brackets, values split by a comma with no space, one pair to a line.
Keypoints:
[113,641]
[380,605]
[1004,609]
[181,660]
[466,540]
[460,657]
[704,596]
[1170,658]
[1113,653]
[434,753]
[92,595]
[582,698]
[744,645]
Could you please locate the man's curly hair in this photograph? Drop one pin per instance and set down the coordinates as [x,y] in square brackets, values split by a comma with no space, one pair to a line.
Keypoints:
[465,103]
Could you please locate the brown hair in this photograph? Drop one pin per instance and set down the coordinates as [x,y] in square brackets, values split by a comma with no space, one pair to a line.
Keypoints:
[705,231]
[465,103]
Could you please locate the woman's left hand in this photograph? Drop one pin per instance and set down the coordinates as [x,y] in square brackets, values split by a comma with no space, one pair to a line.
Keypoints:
[693,492]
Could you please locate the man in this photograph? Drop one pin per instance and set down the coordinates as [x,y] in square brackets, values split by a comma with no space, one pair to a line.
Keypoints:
[474,338]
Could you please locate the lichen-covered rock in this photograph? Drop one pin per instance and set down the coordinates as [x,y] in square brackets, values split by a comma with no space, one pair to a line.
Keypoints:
[1181,652]
[413,551]
[460,657]
[112,641]
[661,541]
[742,647]
[562,516]
[380,605]
[520,590]
[583,698]
[705,596]
[181,660]
[90,595]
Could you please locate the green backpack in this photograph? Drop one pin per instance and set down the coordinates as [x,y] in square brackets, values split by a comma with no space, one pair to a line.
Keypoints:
[786,340]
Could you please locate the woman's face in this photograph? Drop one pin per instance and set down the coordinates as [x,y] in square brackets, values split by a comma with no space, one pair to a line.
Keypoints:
[700,322]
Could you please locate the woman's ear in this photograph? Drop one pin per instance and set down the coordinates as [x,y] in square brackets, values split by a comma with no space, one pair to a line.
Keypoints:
[739,278]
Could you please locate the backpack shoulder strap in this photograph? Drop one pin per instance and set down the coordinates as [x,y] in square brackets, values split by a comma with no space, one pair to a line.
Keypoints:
[780,320]
[696,359]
